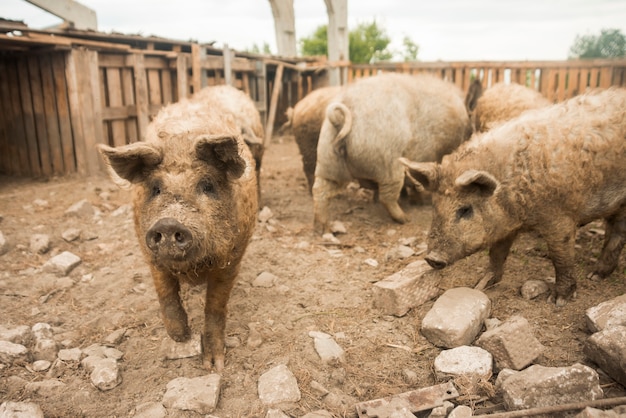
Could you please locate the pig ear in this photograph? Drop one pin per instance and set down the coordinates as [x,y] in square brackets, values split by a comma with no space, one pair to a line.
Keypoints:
[130,163]
[426,174]
[223,152]
[482,180]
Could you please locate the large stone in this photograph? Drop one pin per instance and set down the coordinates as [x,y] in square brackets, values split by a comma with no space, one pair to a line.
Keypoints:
[278,385]
[11,353]
[405,289]
[199,394]
[607,349]
[607,314]
[106,374]
[511,343]
[326,347]
[463,361]
[538,386]
[19,335]
[456,317]
[62,264]
[20,410]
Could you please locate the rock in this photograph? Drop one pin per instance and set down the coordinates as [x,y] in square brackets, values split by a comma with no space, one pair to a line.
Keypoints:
[275,413]
[20,410]
[172,350]
[337,227]
[326,347]
[318,389]
[71,234]
[115,337]
[106,374]
[4,245]
[538,386]
[81,208]
[89,362]
[39,243]
[399,252]
[11,353]
[409,377]
[45,349]
[533,288]
[265,214]
[255,338]
[265,279]
[199,394]
[72,354]
[62,264]
[18,335]
[442,411]
[41,365]
[463,360]
[328,237]
[278,385]
[41,331]
[461,411]
[607,314]
[511,343]
[607,349]
[46,388]
[456,317]
[150,410]
[405,289]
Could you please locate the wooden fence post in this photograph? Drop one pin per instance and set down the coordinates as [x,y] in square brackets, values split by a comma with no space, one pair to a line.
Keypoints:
[269,128]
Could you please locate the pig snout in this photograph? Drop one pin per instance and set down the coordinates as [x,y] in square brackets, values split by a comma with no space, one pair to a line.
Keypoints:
[169,237]
[435,260]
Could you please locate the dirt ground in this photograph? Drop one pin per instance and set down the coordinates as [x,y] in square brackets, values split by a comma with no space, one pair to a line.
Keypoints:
[320,287]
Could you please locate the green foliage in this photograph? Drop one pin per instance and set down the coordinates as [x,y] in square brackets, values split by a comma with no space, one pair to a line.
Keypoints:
[368,43]
[610,44]
[265,49]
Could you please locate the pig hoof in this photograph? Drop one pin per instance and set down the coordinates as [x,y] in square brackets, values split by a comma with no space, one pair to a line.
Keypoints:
[217,363]
[179,334]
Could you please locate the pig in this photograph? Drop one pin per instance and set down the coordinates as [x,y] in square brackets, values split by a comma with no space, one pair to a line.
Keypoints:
[247,117]
[305,121]
[499,103]
[372,123]
[195,209]
[547,171]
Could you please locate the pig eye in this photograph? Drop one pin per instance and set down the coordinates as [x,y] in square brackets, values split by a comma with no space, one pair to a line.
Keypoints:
[207,188]
[155,190]
[465,212]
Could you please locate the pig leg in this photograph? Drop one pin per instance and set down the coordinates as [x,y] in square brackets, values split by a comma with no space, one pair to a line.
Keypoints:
[389,194]
[497,256]
[217,295]
[614,240]
[323,191]
[560,238]
[172,312]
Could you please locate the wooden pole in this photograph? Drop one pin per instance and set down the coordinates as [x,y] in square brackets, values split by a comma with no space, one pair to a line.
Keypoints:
[269,128]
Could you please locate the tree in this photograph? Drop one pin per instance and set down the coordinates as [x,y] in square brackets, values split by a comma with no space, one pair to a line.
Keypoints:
[256,49]
[368,43]
[610,44]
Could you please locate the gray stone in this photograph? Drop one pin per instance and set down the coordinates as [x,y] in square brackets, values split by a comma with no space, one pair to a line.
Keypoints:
[62,264]
[41,331]
[172,350]
[511,343]
[18,335]
[4,245]
[463,360]
[399,252]
[326,347]
[409,377]
[46,388]
[410,287]
[150,410]
[115,337]
[460,411]
[533,288]
[199,394]
[11,353]
[20,410]
[46,349]
[106,374]
[278,385]
[538,386]
[502,376]
[39,243]
[71,354]
[80,209]
[607,314]
[265,214]
[94,350]
[265,279]
[89,362]
[275,413]
[41,365]
[456,317]
[255,338]
[71,234]
[442,411]
[337,227]
[607,349]
[318,389]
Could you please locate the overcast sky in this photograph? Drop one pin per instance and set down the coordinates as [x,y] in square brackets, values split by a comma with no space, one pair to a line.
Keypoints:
[449,30]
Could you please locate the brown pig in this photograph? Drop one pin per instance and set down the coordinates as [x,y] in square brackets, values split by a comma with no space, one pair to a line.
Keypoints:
[195,207]
[548,171]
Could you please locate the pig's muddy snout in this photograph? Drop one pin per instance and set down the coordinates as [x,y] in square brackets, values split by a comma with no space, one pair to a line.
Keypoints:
[169,238]
[435,261]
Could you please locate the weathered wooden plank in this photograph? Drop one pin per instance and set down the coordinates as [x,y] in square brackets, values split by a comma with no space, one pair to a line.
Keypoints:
[95,163]
[141,95]
[196,67]
[182,79]
[154,87]
[30,130]
[39,114]
[63,112]
[17,132]
[605,77]
[73,69]
[7,121]
[114,93]
[128,87]
[51,115]
[167,80]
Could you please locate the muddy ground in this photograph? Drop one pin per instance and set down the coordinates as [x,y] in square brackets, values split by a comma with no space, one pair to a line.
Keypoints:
[320,287]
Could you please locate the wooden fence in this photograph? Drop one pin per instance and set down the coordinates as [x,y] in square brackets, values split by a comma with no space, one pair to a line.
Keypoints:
[63,93]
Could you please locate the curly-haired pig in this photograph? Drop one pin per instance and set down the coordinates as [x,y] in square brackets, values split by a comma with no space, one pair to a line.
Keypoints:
[376,120]
[195,209]
[549,171]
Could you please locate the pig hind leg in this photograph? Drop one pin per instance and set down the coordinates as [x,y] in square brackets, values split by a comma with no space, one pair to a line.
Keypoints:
[389,193]
[560,238]
[614,240]
[323,191]
[217,295]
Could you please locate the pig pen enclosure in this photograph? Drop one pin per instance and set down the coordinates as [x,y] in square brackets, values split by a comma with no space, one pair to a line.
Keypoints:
[292,282]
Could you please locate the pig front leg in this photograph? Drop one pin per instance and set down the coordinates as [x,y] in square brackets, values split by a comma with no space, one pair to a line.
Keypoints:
[614,240]
[560,238]
[215,308]
[498,253]
[323,191]
[172,312]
